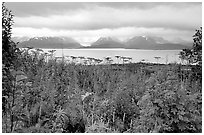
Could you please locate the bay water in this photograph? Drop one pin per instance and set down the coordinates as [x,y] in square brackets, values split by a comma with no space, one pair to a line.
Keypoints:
[137,55]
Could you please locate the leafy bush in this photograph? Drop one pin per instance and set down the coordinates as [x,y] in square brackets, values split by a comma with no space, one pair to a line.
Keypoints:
[194,55]
[167,106]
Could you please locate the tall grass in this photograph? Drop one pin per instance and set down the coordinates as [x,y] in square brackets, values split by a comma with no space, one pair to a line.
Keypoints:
[124,98]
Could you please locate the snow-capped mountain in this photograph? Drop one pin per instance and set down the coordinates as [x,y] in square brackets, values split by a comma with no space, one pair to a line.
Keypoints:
[50,42]
[107,42]
[137,42]
[150,42]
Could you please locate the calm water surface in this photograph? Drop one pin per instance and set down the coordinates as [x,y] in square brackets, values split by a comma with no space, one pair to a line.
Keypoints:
[137,55]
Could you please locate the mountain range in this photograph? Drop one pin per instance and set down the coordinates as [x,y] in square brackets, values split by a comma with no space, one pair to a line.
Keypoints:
[155,43]
[49,42]
[137,42]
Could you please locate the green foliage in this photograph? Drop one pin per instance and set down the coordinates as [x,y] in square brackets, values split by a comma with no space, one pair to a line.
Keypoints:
[194,55]
[9,58]
[122,99]
[99,127]
[167,106]
[8,47]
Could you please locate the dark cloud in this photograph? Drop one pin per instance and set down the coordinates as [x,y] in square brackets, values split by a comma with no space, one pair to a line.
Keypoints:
[101,17]
[98,26]
[109,17]
[147,5]
[23,9]
[49,8]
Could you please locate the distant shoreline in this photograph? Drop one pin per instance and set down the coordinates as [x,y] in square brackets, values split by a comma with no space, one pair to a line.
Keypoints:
[109,49]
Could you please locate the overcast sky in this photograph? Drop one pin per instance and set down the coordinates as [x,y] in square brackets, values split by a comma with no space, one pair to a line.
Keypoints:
[86,22]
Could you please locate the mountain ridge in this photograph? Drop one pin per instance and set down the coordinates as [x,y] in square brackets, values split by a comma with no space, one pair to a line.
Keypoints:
[107,42]
[154,43]
[136,42]
[50,42]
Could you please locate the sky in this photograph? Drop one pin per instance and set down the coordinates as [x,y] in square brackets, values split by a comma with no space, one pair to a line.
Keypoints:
[88,21]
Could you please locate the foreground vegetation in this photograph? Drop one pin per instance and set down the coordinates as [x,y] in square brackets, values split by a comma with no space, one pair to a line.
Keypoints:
[44,95]
[60,97]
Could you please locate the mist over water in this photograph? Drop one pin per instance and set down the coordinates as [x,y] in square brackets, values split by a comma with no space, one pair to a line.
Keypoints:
[137,55]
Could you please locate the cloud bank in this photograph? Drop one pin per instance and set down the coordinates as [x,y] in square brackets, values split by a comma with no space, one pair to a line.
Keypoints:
[122,20]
